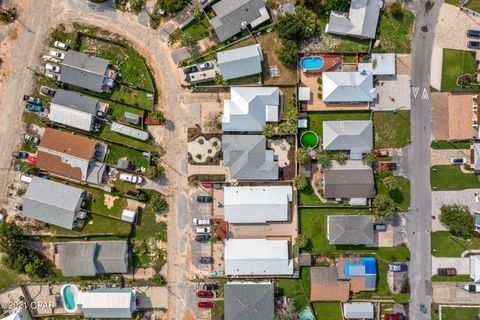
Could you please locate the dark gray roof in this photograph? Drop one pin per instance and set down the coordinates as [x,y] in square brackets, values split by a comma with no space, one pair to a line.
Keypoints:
[248,157]
[52,202]
[323,275]
[75,100]
[112,257]
[82,70]
[351,180]
[252,301]
[350,229]
[231,13]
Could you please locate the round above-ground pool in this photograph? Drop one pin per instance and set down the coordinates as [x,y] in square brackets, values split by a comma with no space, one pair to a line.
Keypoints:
[311,63]
[309,139]
[68,293]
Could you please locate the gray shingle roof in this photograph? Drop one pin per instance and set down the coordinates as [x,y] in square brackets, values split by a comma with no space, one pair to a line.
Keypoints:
[240,62]
[252,301]
[354,136]
[351,180]
[75,100]
[231,13]
[52,202]
[82,70]
[350,229]
[248,157]
[111,257]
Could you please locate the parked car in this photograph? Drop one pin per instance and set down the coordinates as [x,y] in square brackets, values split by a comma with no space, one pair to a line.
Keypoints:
[473,33]
[473,44]
[128,177]
[202,229]
[33,108]
[458,160]
[204,199]
[397,267]
[60,45]
[25,178]
[447,271]
[19,155]
[31,138]
[57,55]
[205,260]
[46,91]
[201,222]
[210,286]
[33,100]
[190,69]
[396,316]
[379,227]
[206,66]
[205,304]
[205,294]
[52,68]
[471,287]
[388,165]
[32,159]
[423,308]
[202,238]
[207,185]
[381,153]
[18,207]
[53,76]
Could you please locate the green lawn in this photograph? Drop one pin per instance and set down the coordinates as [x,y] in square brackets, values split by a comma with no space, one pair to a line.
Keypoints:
[443,245]
[401,196]
[395,33]
[116,152]
[391,130]
[315,119]
[450,177]
[109,135]
[97,225]
[328,310]
[218,311]
[453,2]
[450,144]
[456,63]
[459,313]
[147,225]
[457,278]
[296,289]
[132,97]
[29,146]
[198,30]
[117,110]
[32,118]
[473,5]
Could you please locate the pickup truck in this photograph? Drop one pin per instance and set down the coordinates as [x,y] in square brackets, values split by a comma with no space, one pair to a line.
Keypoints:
[32,100]
[33,107]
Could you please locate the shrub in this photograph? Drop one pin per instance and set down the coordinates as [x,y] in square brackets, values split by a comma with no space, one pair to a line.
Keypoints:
[201,141]
[209,150]
[384,207]
[158,202]
[301,241]
[396,10]
[268,130]
[302,155]
[198,156]
[218,154]
[159,280]
[209,159]
[215,143]
[300,182]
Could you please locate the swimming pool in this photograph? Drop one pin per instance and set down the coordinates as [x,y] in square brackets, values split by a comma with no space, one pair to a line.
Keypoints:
[68,297]
[307,314]
[311,63]
[309,139]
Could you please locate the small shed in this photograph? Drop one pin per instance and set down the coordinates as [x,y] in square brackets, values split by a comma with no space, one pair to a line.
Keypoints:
[305,260]
[303,93]
[128,216]
[123,164]
[131,117]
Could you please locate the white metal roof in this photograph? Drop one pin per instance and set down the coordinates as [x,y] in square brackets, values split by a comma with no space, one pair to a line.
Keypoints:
[348,87]
[128,215]
[70,117]
[257,257]
[304,93]
[358,310]
[129,131]
[383,64]
[106,303]
[240,62]
[475,268]
[257,204]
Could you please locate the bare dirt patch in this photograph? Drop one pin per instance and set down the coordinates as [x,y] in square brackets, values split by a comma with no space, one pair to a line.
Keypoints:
[109,200]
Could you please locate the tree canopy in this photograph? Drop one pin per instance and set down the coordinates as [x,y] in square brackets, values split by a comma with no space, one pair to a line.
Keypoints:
[384,207]
[458,219]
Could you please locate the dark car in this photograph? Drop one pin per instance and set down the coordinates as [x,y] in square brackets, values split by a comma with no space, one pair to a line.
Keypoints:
[33,100]
[379,227]
[210,286]
[205,294]
[423,308]
[396,316]
[204,199]
[397,267]
[205,260]
[447,271]
[190,69]
[205,305]
[473,44]
[46,91]
[388,165]
[20,155]
[202,238]
[473,33]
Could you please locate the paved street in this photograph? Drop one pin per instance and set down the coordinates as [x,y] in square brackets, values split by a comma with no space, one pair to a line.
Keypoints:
[419,223]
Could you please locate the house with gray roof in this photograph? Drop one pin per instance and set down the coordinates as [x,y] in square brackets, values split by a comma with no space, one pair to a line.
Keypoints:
[358,310]
[240,62]
[248,158]
[233,16]
[475,157]
[250,108]
[354,136]
[249,300]
[52,202]
[88,72]
[361,20]
[88,258]
[350,229]
[348,87]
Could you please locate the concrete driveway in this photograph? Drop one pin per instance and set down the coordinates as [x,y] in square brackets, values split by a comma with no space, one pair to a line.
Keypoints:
[443,156]
[461,264]
[447,292]
[393,87]
[463,197]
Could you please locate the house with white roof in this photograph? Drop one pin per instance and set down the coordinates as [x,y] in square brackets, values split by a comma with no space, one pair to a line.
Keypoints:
[260,204]
[351,87]
[250,108]
[361,20]
[253,257]
[358,310]
[240,62]
[355,136]
[107,303]
[475,268]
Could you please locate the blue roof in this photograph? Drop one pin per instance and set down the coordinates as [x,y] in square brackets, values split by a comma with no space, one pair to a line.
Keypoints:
[370,265]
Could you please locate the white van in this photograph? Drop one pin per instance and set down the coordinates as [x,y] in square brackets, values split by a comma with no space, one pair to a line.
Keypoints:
[25,178]
[131,178]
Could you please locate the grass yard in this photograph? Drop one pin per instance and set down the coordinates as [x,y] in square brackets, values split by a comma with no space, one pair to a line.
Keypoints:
[218,310]
[109,135]
[315,119]
[59,34]
[98,203]
[296,289]
[401,195]
[450,144]
[117,110]
[116,152]
[147,225]
[133,97]
[29,146]
[96,225]
[391,130]
[9,277]
[328,310]
[307,197]
[198,30]
[459,313]
[474,5]
[395,34]
[456,63]
[443,245]
[457,278]
[450,177]
[32,118]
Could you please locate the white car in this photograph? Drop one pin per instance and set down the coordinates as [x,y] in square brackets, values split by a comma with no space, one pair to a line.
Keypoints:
[57,55]
[202,229]
[206,66]
[60,45]
[25,178]
[131,178]
[52,68]
[53,76]
[201,222]
[458,160]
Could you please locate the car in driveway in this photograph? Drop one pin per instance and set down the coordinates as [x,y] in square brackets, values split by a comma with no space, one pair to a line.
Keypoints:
[379,227]
[206,66]
[389,165]
[33,100]
[381,153]
[473,33]
[473,44]
[60,45]
[31,138]
[201,222]
[190,69]
[204,199]
[202,229]
[447,271]
[52,68]
[202,238]
[210,286]
[397,267]
[33,107]
[128,177]
[471,287]
[57,55]
[205,304]
[46,91]
[53,76]
[205,260]
[20,155]
[32,159]
[205,294]
[458,160]
[396,316]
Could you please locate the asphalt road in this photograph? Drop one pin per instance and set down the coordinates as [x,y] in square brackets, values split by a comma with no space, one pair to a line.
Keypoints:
[419,220]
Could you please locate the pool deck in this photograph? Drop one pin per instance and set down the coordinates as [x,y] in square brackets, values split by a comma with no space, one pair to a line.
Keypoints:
[47,300]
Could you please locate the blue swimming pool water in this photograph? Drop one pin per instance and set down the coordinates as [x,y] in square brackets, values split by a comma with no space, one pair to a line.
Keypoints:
[307,314]
[311,63]
[69,297]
